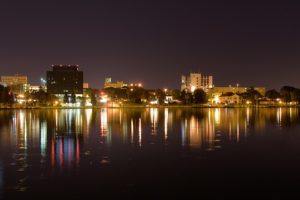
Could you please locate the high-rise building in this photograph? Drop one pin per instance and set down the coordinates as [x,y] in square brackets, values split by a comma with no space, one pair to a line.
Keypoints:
[195,81]
[65,79]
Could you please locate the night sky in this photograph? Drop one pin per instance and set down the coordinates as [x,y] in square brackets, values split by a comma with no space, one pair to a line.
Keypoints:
[246,42]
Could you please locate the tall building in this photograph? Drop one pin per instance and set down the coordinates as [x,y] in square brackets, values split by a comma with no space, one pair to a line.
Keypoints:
[195,81]
[17,83]
[65,79]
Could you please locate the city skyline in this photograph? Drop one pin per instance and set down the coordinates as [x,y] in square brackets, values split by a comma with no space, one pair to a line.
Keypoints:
[237,42]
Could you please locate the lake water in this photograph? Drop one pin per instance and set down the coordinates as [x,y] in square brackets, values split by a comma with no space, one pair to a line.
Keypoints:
[149,153]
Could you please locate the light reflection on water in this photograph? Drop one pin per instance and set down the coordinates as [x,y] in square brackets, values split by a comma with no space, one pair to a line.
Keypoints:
[1,179]
[62,139]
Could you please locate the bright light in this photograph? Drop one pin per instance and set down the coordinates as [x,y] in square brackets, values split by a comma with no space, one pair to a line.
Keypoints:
[165,90]
[217,99]
[248,102]
[154,102]
[104,99]
[88,104]
[140,85]
[193,88]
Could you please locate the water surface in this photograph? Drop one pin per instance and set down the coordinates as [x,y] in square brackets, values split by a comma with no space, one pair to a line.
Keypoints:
[149,153]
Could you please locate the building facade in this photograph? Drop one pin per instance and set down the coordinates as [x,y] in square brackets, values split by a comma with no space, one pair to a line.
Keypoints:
[17,83]
[218,91]
[14,80]
[65,79]
[109,84]
[195,81]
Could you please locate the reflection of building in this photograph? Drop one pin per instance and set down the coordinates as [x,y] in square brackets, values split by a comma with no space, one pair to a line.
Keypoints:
[65,79]
[65,151]
[109,84]
[196,81]
[17,83]
[66,143]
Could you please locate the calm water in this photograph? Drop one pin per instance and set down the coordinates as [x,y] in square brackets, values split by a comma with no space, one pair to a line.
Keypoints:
[149,153]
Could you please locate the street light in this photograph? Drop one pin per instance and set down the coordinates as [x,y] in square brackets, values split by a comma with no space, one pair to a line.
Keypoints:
[43,81]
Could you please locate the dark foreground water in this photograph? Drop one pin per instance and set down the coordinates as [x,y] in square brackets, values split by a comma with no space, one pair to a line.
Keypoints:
[150,153]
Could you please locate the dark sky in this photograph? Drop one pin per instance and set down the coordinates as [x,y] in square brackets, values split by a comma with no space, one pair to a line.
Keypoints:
[247,42]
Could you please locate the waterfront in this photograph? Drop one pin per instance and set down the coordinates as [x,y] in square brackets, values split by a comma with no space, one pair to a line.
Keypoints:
[149,151]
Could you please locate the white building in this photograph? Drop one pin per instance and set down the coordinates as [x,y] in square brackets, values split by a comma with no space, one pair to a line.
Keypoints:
[196,81]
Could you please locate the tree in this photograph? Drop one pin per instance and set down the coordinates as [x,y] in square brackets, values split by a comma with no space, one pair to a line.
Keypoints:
[73,98]
[289,93]
[186,97]
[66,98]
[176,94]
[199,96]
[161,95]
[116,93]
[6,96]
[93,93]
[251,95]
[135,95]
[272,94]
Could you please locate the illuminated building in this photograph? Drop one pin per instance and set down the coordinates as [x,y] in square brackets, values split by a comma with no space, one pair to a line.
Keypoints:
[229,95]
[17,83]
[14,80]
[218,91]
[65,79]
[85,85]
[109,84]
[229,99]
[195,81]
[36,88]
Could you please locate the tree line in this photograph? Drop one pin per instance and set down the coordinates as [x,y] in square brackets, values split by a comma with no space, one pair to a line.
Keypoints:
[139,95]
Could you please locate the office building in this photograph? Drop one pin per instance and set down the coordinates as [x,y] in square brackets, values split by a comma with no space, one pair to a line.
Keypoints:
[65,79]
[194,81]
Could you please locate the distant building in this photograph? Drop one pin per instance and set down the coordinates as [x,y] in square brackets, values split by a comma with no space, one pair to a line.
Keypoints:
[218,91]
[195,81]
[229,98]
[85,85]
[230,95]
[36,88]
[65,79]
[17,83]
[109,84]
[14,80]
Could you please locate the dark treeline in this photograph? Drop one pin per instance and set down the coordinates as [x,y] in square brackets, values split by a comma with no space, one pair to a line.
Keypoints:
[6,96]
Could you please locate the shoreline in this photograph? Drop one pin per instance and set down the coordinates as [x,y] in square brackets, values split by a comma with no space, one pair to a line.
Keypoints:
[143,106]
